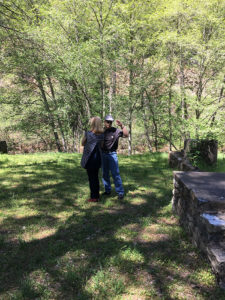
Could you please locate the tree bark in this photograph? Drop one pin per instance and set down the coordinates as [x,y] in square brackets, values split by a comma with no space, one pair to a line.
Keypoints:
[146,120]
[65,148]
[184,109]
[170,103]
[219,100]
[51,118]
[130,135]
[112,90]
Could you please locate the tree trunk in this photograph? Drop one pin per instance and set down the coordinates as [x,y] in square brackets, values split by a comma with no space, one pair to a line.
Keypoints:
[170,121]
[131,99]
[101,21]
[65,148]
[84,88]
[146,120]
[102,82]
[155,125]
[112,90]
[219,100]
[84,109]
[130,135]
[51,118]
[156,136]
[147,134]
[76,140]
[102,72]
[170,101]
[183,97]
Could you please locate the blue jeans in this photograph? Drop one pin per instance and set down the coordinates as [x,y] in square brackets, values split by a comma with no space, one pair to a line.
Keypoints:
[110,163]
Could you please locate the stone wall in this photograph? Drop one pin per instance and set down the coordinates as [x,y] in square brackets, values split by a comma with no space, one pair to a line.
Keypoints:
[199,201]
[3,147]
[204,149]
[177,160]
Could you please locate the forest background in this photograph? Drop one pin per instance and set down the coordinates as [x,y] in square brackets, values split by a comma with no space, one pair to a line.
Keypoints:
[156,65]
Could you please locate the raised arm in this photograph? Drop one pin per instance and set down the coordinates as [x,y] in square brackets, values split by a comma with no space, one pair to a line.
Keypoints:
[125,131]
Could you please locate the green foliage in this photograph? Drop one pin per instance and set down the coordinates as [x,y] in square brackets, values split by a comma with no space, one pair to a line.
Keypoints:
[158,64]
[218,167]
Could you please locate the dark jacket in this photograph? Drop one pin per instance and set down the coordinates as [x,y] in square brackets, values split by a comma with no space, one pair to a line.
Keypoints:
[92,140]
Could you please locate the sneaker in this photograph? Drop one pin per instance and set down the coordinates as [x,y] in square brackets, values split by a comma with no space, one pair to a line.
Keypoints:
[106,193]
[93,200]
[120,196]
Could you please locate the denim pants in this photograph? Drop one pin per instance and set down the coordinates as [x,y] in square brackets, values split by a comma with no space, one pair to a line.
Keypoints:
[110,163]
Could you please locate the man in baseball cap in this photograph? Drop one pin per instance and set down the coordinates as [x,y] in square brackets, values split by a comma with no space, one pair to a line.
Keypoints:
[109,118]
[109,155]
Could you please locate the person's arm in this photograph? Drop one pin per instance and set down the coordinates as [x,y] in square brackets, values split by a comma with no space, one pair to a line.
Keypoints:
[84,140]
[125,131]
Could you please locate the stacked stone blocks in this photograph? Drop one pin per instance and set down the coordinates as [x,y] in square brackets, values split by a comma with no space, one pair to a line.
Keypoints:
[199,200]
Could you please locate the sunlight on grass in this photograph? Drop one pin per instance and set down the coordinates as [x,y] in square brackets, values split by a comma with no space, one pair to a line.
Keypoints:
[38,235]
[56,245]
[203,277]
[105,284]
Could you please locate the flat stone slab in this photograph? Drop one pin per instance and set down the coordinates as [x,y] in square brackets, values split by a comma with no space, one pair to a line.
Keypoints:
[206,186]
[214,221]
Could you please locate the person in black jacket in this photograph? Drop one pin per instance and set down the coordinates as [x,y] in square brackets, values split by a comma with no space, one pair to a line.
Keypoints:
[92,155]
[109,156]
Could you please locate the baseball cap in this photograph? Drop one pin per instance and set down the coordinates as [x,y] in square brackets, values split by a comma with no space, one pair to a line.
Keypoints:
[109,118]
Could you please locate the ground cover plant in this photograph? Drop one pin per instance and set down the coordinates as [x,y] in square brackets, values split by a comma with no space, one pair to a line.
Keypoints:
[218,167]
[55,245]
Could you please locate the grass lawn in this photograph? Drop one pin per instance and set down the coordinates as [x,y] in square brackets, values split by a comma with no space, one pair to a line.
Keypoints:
[55,245]
[218,167]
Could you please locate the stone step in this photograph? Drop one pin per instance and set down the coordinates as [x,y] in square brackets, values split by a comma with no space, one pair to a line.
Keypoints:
[210,204]
[216,255]
[199,200]
[214,221]
[204,190]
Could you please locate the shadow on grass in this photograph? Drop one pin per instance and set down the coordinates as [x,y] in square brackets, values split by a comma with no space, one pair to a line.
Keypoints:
[45,182]
[93,234]
[89,237]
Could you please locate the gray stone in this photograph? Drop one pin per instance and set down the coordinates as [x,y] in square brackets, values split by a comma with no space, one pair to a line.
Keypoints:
[205,185]
[217,257]
[3,147]
[215,222]
[199,200]
[178,160]
[206,149]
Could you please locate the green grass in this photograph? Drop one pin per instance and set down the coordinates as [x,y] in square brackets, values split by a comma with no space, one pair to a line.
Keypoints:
[56,245]
[218,167]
